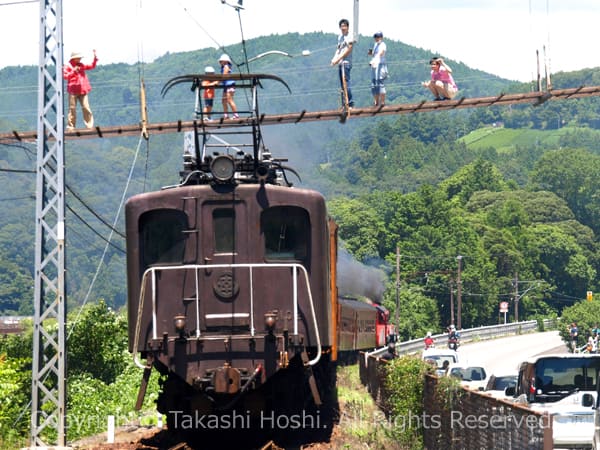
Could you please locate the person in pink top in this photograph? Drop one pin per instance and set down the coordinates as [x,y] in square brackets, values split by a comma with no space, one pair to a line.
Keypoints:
[78,87]
[441,85]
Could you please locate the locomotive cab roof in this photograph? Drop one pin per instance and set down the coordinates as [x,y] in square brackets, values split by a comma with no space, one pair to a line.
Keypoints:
[210,159]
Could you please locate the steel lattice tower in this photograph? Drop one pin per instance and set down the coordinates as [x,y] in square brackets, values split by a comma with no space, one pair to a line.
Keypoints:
[49,357]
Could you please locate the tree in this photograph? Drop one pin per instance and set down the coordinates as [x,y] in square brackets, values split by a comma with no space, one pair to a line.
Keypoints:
[97,343]
[473,177]
[359,227]
[555,256]
[573,175]
[585,314]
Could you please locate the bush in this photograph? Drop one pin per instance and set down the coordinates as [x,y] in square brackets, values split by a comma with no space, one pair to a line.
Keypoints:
[91,400]
[15,392]
[405,382]
[540,325]
[96,343]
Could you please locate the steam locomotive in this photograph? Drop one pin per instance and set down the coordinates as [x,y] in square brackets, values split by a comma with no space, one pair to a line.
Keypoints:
[232,292]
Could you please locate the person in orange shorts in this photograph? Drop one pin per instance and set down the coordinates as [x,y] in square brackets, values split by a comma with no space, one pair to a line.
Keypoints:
[209,93]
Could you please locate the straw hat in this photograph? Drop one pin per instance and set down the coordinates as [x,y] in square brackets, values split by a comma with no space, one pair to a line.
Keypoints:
[76,55]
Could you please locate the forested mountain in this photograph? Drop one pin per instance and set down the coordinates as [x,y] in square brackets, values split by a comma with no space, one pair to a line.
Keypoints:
[510,189]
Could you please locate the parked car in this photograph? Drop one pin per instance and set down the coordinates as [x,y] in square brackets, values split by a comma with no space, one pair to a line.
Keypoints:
[472,376]
[564,385]
[497,384]
[439,357]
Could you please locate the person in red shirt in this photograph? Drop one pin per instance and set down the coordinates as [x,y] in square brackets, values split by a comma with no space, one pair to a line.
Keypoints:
[78,87]
[429,342]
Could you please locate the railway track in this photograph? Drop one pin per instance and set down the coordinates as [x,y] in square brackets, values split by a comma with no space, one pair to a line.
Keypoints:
[144,438]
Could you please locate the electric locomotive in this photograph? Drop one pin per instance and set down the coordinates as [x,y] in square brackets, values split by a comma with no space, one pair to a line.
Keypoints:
[232,283]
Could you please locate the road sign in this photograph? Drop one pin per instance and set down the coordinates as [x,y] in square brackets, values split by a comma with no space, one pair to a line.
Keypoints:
[503,307]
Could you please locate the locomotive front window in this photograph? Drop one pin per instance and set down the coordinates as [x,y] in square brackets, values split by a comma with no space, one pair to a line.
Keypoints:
[162,236]
[286,231]
[224,226]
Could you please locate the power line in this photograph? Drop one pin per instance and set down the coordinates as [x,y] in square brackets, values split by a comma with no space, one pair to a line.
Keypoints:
[78,197]
[90,209]
[94,230]
[21,2]
[30,197]
[17,170]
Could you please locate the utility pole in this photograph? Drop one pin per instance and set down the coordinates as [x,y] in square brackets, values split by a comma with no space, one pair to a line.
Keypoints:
[459,294]
[397,312]
[48,381]
[451,302]
[355,32]
[516,297]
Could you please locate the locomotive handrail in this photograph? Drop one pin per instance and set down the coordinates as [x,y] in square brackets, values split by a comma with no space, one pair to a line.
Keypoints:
[151,271]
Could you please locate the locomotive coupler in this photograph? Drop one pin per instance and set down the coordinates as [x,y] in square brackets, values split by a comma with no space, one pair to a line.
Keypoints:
[226,379]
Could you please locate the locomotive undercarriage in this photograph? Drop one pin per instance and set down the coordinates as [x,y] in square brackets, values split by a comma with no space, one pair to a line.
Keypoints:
[226,364]
[250,387]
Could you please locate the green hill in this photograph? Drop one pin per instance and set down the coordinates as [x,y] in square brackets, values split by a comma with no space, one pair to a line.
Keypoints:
[400,153]
[507,140]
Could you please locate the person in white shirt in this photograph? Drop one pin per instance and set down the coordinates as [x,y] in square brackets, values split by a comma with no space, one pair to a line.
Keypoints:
[379,70]
[343,59]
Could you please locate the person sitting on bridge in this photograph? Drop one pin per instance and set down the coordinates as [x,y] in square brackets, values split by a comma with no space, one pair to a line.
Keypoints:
[441,85]
[390,353]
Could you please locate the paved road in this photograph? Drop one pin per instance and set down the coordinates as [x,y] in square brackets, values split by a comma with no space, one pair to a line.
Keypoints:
[504,354]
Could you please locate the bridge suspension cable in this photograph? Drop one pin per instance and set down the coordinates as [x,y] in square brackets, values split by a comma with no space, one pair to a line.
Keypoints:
[533,98]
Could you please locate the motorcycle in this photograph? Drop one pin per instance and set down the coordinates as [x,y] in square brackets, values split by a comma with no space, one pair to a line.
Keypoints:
[429,343]
[453,342]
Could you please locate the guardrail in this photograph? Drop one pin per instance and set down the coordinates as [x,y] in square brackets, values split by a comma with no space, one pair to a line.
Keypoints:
[448,435]
[470,334]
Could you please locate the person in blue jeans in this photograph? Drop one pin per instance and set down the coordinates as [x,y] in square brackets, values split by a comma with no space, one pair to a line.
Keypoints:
[343,58]
[378,69]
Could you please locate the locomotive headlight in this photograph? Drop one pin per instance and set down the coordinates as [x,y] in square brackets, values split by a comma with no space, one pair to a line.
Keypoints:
[179,322]
[270,321]
[223,168]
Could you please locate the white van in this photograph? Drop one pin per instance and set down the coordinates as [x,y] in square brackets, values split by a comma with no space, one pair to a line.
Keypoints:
[439,356]
[564,385]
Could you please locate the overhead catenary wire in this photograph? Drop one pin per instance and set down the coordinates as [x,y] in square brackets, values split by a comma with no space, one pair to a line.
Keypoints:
[91,210]
[105,251]
[18,2]
[95,231]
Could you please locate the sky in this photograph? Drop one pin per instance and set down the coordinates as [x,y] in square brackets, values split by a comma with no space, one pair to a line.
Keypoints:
[496,36]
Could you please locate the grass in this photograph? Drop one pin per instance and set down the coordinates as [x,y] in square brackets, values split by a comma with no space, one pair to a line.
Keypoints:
[362,423]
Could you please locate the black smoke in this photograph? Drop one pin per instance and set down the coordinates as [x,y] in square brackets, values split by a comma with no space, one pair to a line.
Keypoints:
[357,279]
